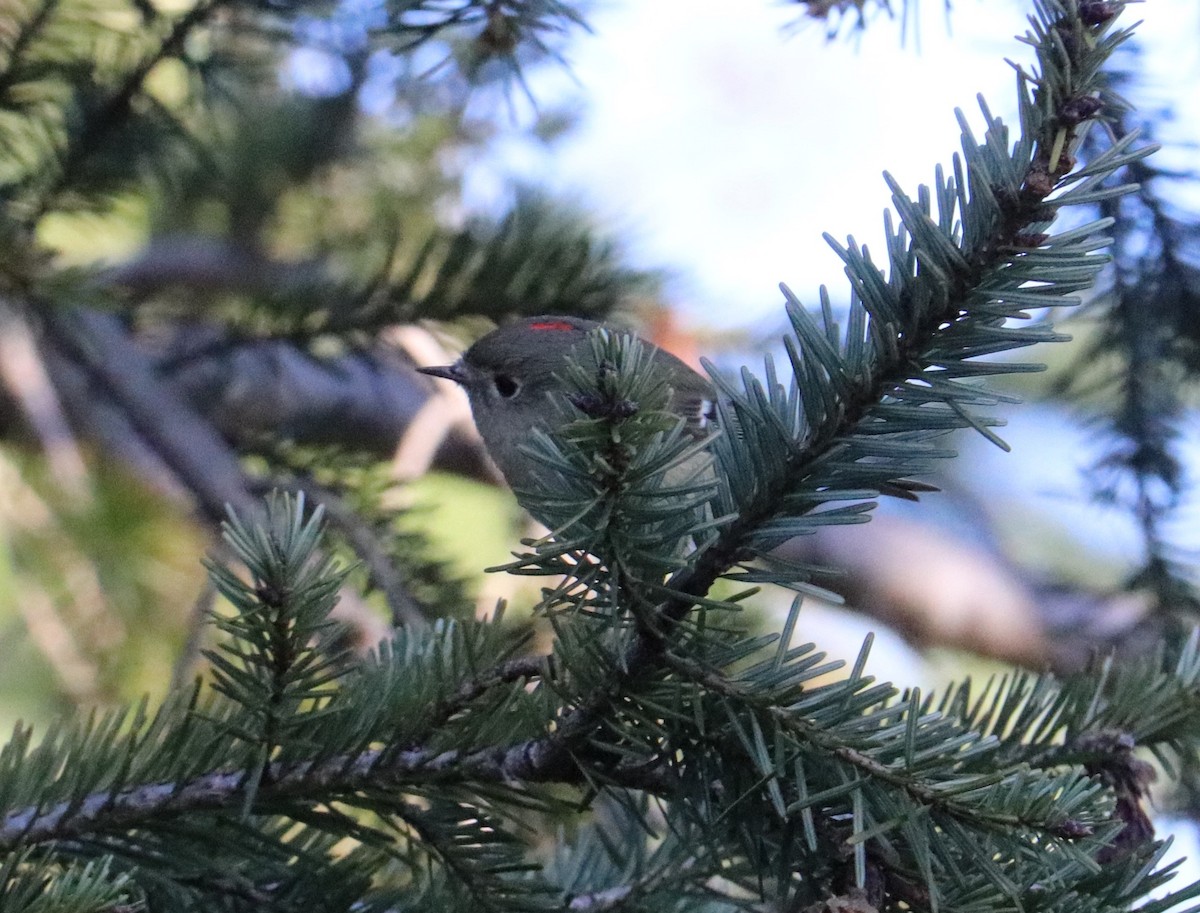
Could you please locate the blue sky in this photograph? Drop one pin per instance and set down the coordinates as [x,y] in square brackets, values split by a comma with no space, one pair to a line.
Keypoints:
[722,146]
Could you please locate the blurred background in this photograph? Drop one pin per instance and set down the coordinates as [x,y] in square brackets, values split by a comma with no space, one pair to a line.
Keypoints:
[220,281]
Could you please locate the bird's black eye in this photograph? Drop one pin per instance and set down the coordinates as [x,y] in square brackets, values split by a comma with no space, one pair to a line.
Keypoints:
[506,386]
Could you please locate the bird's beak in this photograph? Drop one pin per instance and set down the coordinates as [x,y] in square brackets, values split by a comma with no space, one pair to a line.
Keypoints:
[452,372]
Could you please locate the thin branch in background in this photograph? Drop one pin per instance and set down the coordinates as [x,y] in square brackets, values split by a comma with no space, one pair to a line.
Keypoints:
[69,619]
[112,115]
[444,412]
[366,545]
[24,373]
[197,624]
[1145,419]
[851,17]
[76,673]
[182,440]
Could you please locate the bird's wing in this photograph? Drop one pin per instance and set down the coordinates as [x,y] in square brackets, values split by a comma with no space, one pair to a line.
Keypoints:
[698,407]
[692,396]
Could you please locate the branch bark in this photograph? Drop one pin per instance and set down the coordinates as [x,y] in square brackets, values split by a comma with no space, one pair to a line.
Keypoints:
[335,778]
[99,350]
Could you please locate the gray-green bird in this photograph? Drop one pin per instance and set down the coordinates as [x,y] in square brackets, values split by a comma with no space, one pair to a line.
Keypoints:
[513,378]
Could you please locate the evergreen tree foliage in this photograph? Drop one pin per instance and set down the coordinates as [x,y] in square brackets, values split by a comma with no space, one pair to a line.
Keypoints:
[677,761]
[287,230]
[1146,329]
[1139,370]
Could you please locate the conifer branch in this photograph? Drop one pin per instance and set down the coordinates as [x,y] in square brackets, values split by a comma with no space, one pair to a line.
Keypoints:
[527,668]
[972,786]
[828,741]
[297,784]
[114,113]
[921,336]
[384,573]
[27,33]
[861,411]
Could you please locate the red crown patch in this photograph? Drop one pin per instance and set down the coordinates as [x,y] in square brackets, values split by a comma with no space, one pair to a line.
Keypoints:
[551,325]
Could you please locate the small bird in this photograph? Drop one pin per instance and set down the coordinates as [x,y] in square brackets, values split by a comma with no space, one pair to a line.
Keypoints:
[514,379]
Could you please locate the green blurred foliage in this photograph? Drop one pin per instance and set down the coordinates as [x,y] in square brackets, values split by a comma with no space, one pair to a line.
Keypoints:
[95,589]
